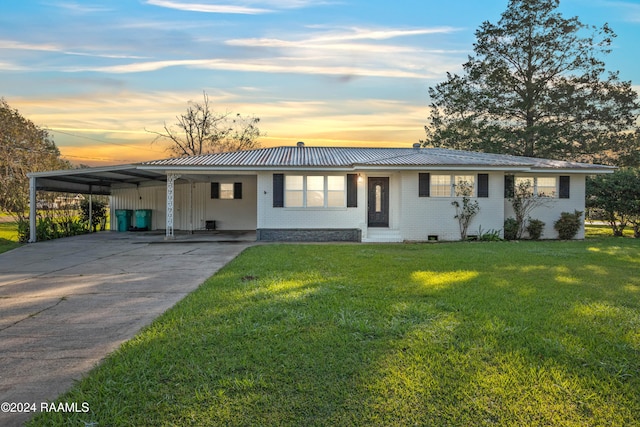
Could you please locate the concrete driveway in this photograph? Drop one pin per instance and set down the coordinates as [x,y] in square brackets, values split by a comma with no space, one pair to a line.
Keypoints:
[65,304]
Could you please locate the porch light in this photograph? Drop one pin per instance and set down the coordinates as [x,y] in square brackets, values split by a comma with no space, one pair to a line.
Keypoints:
[360,179]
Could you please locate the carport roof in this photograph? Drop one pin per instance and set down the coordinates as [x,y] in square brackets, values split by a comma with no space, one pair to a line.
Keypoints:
[94,180]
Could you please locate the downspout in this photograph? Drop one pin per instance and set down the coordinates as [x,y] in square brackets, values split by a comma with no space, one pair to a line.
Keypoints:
[32,209]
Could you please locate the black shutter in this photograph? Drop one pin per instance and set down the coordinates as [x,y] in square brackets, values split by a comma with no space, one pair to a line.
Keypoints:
[564,192]
[278,190]
[352,190]
[509,186]
[483,185]
[424,181]
[237,190]
[215,190]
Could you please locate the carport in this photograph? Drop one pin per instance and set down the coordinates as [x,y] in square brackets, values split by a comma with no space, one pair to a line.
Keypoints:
[98,181]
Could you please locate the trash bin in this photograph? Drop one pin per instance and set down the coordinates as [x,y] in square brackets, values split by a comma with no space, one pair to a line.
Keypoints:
[124,219]
[143,219]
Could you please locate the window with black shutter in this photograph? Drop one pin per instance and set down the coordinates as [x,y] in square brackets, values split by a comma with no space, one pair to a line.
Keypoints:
[509,186]
[226,191]
[483,185]
[423,184]
[565,184]
[278,190]
[237,190]
[352,190]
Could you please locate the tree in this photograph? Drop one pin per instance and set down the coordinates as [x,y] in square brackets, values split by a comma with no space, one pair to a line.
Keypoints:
[537,86]
[524,202]
[203,131]
[24,148]
[466,210]
[617,195]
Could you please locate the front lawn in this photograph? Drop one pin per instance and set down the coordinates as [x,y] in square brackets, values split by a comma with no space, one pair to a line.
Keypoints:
[459,334]
[8,236]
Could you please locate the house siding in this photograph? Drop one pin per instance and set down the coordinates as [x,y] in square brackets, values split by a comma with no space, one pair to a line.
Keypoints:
[193,205]
[550,211]
[269,217]
[422,217]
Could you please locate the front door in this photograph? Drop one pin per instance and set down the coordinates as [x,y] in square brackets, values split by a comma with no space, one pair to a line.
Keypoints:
[378,202]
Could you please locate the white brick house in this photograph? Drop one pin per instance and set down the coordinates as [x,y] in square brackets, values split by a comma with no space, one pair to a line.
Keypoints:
[330,193]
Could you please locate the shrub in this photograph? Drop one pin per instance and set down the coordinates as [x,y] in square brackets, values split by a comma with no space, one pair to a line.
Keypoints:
[98,213]
[511,227]
[568,225]
[23,231]
[534,228]
[489,235]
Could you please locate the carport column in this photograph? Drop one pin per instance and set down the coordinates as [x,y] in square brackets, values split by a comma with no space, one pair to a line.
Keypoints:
[171,179]
[32,209]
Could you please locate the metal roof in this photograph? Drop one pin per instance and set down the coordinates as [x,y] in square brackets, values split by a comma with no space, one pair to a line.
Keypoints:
[101,180]
[96,180]
[302,156]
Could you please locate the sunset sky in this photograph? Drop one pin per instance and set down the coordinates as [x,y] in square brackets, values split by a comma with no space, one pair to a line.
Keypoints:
[99,74]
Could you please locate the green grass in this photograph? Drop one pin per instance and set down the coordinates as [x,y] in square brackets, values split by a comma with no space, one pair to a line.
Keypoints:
[593,230]
[460,334]
[8,236]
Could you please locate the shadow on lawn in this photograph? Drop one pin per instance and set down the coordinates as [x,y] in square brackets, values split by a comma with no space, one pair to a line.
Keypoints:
[390,335]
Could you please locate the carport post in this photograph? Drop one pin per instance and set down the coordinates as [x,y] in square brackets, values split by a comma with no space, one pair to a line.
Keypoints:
[32,209]
[90,209]
[171,179]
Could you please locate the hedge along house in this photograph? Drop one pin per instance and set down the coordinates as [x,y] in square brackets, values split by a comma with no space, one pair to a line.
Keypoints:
[303,193]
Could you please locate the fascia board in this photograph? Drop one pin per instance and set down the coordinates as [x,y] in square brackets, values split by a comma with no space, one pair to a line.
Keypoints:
[611,169]
[81,171]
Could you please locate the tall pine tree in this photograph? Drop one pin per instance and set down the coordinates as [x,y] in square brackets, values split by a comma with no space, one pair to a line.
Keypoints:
[537,86]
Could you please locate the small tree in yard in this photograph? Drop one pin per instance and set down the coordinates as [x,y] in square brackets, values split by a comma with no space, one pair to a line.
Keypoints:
[98,212]
[618,196]
[466,210]
[524,201]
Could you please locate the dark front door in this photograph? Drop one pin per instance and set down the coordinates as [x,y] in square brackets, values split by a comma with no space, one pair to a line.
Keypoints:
[378,202]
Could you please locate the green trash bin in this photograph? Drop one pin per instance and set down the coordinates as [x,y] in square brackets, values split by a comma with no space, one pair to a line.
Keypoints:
[143,219]
[124,219]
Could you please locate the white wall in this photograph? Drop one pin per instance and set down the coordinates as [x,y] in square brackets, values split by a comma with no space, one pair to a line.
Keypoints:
[415,218]
[550,212]
[143,197]
[192,204]
[270,217]
[424,216]
[231,214]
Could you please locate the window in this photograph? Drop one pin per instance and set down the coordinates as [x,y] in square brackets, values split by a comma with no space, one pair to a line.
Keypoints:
[335,191]
[537,186]
[546,186]
[464,185]
[525,182]
[314,191]
[440,186]
[226,191]
[452,185]
[294,191]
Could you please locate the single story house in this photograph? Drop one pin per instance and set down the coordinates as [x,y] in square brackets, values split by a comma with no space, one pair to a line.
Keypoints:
[301,193]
